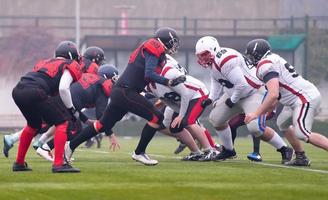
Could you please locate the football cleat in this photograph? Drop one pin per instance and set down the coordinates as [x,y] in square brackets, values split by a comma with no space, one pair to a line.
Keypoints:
[192,157]
[300,160]
[68,153]
[7,145]
[144,159]
[65,168]
[45,152]
[225,154]
[254,157]
[180,148]
[209,155]
[19,168]
[286,154]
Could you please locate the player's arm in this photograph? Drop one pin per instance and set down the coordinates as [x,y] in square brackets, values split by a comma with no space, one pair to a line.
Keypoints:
[272,84]
[216,89]
[64,89]
[236,77]
[101,103]
[151,62]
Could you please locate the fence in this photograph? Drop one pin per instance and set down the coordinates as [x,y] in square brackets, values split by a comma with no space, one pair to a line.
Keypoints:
[65,26]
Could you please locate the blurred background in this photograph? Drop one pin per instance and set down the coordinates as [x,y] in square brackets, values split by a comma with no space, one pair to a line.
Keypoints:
[31,29]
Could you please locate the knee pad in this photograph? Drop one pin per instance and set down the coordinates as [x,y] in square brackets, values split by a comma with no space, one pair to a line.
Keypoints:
[255,128]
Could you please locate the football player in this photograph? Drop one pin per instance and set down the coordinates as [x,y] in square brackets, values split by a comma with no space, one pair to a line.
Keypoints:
[188,101]
[34,95]
[144,66]
[300,98]
[90,91]
[229,70]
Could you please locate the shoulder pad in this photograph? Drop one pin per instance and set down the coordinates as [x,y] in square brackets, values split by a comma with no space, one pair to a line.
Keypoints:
[154,47]
[107,87]
[75,69]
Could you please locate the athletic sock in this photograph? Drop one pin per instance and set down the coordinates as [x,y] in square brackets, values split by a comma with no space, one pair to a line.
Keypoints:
[233,134]
[147,134]
[209,138]
[256,144]
[86,134]
[24,143]
[225,136]
[60,141]
[277,141]
[15,136]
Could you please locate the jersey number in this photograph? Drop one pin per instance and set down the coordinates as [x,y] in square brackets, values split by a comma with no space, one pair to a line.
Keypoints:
[172,96]
[220,53]
[291,70]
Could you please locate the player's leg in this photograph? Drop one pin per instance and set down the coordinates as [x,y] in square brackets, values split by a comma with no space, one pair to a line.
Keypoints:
[258,128]
[234,123]
[27,99]
[300,157]
[219,117]
[303,116]
[9,141]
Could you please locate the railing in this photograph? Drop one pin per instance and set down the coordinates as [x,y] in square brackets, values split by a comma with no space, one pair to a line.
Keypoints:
[145,26]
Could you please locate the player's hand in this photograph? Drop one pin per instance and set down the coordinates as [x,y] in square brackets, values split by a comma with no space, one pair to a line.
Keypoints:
[177,81]
[249,117]
[229,103]
[90,122]
[114,145]
[177,121]
[74,113]
[206,103]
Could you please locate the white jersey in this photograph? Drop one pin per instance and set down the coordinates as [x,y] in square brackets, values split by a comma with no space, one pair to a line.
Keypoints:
[293,87]
[231,72]
[178,97]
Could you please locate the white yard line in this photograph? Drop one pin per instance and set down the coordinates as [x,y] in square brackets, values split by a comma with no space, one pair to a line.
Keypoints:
[257,163]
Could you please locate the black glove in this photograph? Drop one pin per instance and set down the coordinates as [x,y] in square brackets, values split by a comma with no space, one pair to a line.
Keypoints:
[229,103]
[206,102]
[74,113]
[83,117]
[176,81]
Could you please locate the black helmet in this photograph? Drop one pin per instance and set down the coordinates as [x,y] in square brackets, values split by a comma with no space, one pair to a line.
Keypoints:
[108,71]
[95,54]
[68,50]
[169,38]
[257,49]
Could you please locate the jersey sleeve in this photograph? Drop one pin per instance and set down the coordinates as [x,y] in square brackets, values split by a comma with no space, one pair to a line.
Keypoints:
[216,89]
[75,70]
[263,68]
[154,47]
[228,64]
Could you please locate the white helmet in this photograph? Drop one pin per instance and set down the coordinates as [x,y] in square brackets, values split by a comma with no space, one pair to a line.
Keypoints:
[206,49]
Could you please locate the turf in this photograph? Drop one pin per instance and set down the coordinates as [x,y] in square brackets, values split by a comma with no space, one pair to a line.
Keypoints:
[113,175]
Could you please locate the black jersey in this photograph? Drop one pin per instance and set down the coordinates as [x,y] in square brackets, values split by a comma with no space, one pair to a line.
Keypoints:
[47,73]
[88,66]
[134,75]
[91,91]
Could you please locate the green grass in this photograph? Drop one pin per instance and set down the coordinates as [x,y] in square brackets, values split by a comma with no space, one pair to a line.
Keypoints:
[113,175]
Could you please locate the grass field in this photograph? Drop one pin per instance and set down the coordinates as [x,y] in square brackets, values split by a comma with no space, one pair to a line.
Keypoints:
[113,175]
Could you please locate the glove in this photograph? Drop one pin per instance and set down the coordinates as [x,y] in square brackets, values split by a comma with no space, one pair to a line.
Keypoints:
[206,102]
[74,113]
[229,103]
[176,81]
[83,117]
